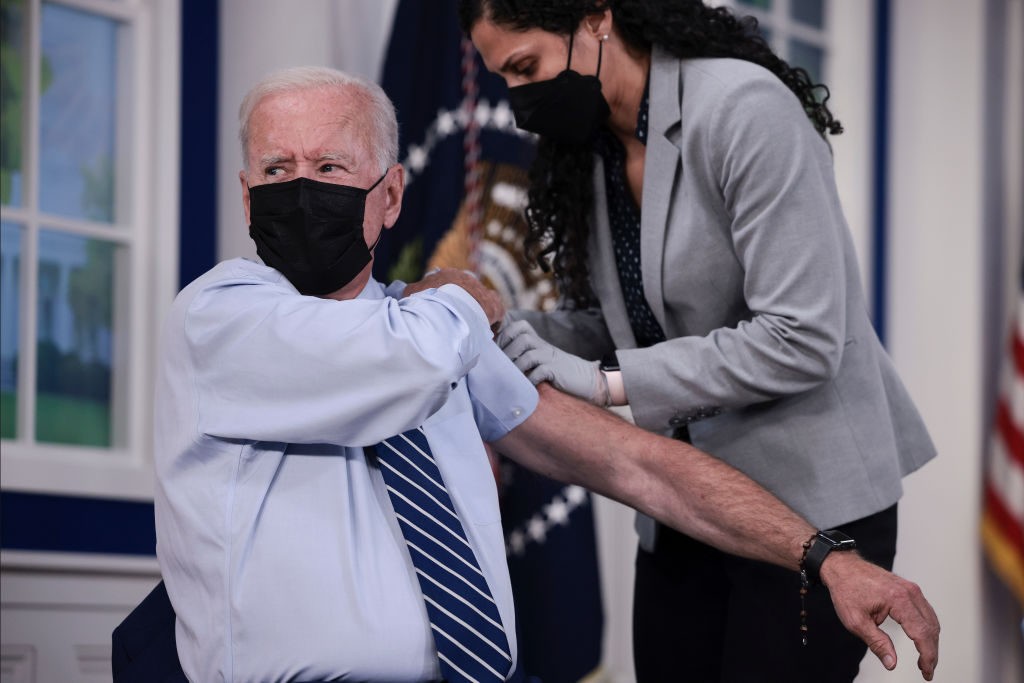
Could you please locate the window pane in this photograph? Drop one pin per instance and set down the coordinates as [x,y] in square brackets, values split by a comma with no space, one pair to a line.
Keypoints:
[13,68]
[810,12]
[77,114]
[74,340]
[808,56]
[10,309]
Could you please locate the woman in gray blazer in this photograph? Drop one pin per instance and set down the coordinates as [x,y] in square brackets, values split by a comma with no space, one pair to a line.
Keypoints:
[683,193]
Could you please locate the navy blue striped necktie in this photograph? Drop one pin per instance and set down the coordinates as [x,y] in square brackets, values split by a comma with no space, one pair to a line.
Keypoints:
[468,634]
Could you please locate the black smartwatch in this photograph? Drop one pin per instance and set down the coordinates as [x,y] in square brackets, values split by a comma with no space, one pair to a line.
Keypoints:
[610,363]
[822,544]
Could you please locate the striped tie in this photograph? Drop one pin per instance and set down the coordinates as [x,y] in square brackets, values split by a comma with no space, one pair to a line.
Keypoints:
[470,640]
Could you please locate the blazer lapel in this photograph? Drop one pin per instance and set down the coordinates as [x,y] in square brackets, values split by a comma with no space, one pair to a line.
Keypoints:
[661,169]
[604,274]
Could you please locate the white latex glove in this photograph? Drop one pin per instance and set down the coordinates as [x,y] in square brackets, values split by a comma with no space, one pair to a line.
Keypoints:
[542,362]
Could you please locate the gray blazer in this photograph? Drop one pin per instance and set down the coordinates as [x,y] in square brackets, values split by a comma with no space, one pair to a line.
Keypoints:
[749,266]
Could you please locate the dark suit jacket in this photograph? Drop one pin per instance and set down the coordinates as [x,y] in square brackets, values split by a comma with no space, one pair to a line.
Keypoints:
[143,645]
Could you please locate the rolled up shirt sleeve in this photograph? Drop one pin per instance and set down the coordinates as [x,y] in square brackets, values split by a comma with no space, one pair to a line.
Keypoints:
[502,395]
[273,365]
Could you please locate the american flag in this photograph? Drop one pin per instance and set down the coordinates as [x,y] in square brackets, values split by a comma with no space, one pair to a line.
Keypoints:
[1002,525]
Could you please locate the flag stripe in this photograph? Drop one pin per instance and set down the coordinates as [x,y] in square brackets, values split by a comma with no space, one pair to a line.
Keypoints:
[1006,477]
[1017,352]
[1006,560]
[1002,518]
[1002,526]
[1013,395]
[1019,336]
[1010,433]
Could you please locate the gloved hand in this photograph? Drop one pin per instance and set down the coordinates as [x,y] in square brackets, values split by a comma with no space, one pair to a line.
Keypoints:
[542,362]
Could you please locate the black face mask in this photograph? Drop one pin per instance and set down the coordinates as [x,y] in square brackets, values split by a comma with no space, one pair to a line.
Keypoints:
[311,231]
[568,108]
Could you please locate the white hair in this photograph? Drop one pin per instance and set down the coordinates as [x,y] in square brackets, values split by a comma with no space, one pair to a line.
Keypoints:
[380,110]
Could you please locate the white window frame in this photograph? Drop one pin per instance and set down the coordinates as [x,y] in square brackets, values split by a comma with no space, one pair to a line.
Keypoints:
[147,228]
[850,73]
[783,27]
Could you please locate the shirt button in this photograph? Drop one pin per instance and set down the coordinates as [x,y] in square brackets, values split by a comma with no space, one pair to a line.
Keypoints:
[516,412]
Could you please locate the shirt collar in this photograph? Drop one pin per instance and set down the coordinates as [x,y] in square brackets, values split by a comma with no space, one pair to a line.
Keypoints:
[372,290]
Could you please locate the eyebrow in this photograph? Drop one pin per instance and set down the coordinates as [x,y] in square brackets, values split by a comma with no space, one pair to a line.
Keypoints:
[508,63]
[347,159]
[273,159]
[518,53]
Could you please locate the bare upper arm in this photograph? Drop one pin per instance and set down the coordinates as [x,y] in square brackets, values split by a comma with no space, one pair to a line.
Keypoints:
[574,442]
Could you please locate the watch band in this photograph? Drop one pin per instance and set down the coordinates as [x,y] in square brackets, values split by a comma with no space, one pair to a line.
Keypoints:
[822,544]
[610,362]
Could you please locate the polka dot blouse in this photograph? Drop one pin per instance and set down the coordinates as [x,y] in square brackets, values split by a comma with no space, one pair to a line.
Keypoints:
[624,218]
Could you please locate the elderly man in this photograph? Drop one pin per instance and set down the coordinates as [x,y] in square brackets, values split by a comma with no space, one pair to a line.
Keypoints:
[325,508]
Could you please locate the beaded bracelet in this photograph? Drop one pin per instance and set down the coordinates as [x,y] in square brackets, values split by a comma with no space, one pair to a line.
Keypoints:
[805,585]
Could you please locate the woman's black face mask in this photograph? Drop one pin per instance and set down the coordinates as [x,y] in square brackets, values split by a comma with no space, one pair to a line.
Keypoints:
[568,108]
[311,231]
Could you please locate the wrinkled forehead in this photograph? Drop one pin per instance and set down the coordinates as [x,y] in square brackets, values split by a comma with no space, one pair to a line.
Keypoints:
[311,121]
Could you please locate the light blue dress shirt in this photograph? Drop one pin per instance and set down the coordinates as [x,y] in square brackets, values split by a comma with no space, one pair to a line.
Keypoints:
[275,537]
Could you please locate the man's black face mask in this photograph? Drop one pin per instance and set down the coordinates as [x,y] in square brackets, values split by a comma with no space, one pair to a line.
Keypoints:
[568,108]
[311,231]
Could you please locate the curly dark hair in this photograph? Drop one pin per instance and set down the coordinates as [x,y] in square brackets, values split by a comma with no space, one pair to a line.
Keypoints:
[561,176]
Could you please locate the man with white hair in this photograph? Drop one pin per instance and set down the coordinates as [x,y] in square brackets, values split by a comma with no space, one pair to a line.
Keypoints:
[318,433]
